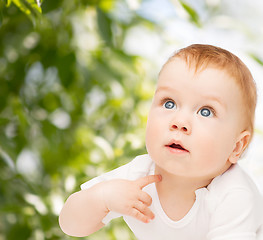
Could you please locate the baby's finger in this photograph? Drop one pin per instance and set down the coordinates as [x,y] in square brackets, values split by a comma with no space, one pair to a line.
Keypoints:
[144,181]
[140,216]
[144,209]
[145,198]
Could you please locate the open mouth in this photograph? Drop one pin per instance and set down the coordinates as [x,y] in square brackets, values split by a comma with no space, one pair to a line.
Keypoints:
[177,146]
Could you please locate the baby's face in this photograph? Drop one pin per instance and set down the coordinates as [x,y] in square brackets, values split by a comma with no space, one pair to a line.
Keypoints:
[194,121]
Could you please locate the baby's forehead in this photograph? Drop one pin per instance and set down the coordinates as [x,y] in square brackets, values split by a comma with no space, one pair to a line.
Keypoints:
[197,67]
[213,69]
[179,65]
[178,71]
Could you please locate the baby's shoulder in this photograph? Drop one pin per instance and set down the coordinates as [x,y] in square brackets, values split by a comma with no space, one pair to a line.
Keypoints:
[234,184]
[232,193]
[234,178]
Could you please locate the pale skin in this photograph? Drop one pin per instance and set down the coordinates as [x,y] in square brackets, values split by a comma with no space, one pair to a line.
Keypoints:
[178,173]
[83,211]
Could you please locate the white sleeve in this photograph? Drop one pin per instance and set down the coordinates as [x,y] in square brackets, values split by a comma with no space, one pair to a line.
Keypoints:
[235,217]
[118,173]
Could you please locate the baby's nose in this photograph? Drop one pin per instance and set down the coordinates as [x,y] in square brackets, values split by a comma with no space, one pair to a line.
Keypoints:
[184,129]
[181,126]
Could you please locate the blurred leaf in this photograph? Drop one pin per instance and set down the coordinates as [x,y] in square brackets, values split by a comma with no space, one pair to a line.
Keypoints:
[66,68]
[8,2]
[194,17]
[22,6]
[48,6]
[7,159]
[106,5]
[21,230]
[27,6]
[104,24]
[35,4]
[256,58]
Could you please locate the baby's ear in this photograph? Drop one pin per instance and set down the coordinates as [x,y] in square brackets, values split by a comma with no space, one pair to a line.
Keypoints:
[240,146]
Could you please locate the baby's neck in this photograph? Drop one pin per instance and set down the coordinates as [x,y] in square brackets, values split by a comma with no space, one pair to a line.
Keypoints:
[179,184]
[177,194]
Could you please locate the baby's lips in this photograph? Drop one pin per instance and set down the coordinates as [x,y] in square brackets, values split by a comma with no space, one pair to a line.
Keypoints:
[178,146]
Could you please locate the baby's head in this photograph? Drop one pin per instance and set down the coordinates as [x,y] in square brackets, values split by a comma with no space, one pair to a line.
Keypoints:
[200,56]
[202,115]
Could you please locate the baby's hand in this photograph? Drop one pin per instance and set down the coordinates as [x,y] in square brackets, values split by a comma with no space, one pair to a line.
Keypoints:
[126,197]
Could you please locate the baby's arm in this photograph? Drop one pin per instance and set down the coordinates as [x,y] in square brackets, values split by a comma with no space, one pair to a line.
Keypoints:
[83,211]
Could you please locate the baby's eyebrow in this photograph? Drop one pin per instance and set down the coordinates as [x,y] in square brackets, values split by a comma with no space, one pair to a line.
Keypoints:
[215,99]
[164,88]
[206,97]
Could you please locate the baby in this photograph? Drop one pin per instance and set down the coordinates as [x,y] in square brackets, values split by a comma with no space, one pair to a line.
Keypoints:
[189,185]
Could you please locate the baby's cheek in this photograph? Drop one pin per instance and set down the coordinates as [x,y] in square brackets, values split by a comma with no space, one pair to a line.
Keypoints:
[211,153]
[153,126]
[206,147]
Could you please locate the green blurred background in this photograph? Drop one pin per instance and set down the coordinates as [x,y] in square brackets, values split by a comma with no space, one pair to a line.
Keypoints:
[76,81]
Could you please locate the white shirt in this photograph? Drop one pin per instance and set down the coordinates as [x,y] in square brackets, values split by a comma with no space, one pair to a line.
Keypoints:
[230,208]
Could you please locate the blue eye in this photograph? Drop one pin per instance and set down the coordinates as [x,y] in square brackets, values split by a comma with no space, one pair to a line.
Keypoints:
[206,112]
[169,104]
